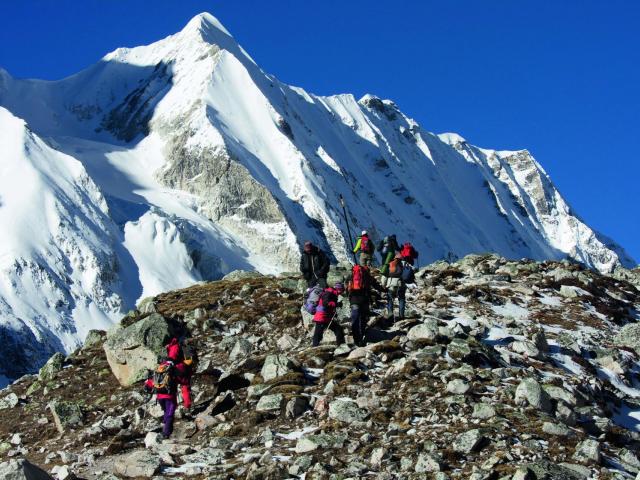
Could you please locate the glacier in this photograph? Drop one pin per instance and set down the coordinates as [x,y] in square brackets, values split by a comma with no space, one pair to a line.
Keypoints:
[180,161]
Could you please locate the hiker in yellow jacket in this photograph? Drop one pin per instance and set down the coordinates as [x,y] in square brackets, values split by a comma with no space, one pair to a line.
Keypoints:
[366,247]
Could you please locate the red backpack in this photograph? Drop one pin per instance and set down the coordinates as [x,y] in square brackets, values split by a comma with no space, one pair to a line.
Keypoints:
[408,252]
[359,278]
[395,268]
[366,244]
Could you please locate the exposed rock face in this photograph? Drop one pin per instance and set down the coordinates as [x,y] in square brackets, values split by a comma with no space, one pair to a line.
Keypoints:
[133,350]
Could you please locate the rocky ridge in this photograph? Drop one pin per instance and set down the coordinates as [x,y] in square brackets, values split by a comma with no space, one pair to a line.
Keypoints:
[502,370]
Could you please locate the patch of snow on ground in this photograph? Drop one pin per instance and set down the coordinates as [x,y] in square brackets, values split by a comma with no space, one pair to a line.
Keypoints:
[550,301]
[511,310]
[296,434]
[606,374]
[628,418]
[182,468]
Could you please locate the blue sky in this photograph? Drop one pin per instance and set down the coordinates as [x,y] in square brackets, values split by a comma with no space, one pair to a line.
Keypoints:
[560,78]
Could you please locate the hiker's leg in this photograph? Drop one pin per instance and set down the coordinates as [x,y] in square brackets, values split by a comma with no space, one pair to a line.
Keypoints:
[169,412]
[390,303]
[312,282]
[322,282]
[337,330]
[186,395]
[317,334]
[402,301]
[355,324]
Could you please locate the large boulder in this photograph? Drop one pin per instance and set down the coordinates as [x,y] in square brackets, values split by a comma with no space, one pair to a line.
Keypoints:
[133,350]
[52,367]
[94,337]
[276,366]
[66,415]
[530,392]
[9,401]
[141,463]
[21,469]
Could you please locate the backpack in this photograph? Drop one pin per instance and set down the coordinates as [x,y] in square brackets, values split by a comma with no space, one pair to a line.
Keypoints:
[395,268]
[312,298]
[189,355]
[408,252]
[366,245]
[359,278]
[325,299]
[407,276]
[164,378]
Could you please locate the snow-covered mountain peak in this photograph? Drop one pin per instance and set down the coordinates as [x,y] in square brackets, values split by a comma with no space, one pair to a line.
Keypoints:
[187,161]
[451,138]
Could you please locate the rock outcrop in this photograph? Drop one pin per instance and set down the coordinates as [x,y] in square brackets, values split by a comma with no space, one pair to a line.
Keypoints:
[494,374]
[133,350]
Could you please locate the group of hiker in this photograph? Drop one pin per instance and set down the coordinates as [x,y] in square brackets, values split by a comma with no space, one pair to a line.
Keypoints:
[175,369]
[396,272]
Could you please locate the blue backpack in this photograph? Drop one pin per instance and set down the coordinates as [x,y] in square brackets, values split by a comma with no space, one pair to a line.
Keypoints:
[407,276]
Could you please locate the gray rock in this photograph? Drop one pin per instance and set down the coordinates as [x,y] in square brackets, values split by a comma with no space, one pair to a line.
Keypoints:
[52,367]
[242,275]
[152,440]
[468,441]
[66,415]
[427,462]
[458,387]
[63,473]
[112,424]
[346,410]
[276,366]
[459,349]
[530,392]
[21,469]
[483,411]
[546,469]
[241,349]
[9,401]
[94,337]
[526,348]
[310,443]
[555,429]
[140,463]
[207,455]
[424,331]
[287,342]
[270,403]
[146,305]
[629,460]
[133,350]
[587,451]
[629,336]
[559,393]
[296,407]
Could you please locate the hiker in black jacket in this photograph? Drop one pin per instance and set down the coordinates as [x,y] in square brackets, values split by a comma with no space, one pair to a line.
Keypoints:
[314,265]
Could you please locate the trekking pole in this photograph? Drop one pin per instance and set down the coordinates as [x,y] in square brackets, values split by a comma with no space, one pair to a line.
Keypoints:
[346,220]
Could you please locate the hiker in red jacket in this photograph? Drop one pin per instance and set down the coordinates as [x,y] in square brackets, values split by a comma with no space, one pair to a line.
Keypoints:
[184,370]
[325,315]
